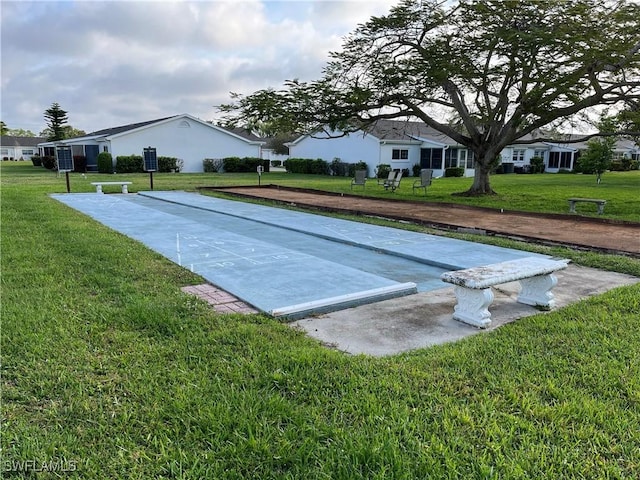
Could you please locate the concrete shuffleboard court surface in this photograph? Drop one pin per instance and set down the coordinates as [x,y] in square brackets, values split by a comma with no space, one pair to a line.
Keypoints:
[285,263]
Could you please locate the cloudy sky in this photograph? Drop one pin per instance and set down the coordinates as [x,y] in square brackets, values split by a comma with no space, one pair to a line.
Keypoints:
[110,63]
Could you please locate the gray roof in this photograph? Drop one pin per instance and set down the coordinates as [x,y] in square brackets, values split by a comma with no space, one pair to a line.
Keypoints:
[241,132]
[404,130]
[124,128]
[9,141]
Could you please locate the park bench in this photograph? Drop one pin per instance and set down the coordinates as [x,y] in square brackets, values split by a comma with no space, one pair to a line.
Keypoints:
[99,186]
[572,204]
[473,286]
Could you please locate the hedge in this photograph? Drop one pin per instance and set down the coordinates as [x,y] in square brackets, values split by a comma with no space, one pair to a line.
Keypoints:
[167,164]
[129,164]
[244,165]
[212,165]
[454,172]
[307,165]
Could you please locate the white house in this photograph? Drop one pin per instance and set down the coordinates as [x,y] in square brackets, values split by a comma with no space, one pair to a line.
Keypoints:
[181,136]
[19,148]
[403,144]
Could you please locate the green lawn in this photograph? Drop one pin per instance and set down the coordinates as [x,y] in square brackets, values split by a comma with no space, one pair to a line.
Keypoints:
[110,371]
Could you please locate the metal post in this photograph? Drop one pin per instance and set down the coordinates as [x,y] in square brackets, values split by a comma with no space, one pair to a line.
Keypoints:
[68,185]
[151,179]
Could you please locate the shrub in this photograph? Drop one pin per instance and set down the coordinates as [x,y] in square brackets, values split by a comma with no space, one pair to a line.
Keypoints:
[79,163]
[454,172]
[416,169]
[49,162]
[360,166]
[319,167]
[167,164]
[276,163]
[129,164]
[105,162]
[36,160]
[339,168]
[622,165]
[212,165]
[537,165]
[244,165]
[307,165]
[382,170]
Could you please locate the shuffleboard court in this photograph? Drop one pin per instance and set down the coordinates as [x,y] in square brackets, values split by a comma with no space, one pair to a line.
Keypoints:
[284,263]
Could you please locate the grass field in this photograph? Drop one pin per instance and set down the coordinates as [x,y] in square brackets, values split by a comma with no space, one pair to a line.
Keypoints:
[109,372]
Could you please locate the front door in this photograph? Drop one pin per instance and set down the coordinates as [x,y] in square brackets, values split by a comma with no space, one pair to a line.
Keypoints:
[91,152]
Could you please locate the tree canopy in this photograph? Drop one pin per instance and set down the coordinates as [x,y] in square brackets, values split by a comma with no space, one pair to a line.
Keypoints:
[485,73]
[56,119]
[68,131]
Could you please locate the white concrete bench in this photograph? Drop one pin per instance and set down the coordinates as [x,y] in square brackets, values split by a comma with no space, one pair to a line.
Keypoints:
[601,203]
[473,286]
[99,185]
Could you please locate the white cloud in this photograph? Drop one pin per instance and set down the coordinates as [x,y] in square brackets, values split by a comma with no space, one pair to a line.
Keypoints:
[112,63]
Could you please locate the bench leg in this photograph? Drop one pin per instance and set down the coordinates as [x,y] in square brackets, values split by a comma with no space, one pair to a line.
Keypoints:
[572,207]
[536,291]
[600,208]
[472,306]
[99,189]
[125,189]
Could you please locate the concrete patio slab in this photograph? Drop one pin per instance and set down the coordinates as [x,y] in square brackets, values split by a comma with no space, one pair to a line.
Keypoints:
[425,319]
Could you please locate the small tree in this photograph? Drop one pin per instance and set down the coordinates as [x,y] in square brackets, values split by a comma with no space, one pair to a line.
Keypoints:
[3,128]
[56,119]
[597,158]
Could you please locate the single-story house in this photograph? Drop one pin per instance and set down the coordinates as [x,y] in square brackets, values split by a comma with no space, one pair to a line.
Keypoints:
[181,136]
[19,148]
[403,144]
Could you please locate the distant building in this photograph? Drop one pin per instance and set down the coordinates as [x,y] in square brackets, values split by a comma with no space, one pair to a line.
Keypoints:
[403,144]
[181,136]
[19,148]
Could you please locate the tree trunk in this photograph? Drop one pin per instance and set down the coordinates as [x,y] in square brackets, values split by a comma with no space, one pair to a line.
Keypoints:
[481,183]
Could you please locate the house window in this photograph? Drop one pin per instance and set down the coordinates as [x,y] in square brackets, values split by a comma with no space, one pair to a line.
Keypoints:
[538,153]
[27,151]
[4,151]
[105,149]
[560,160]
[399,154]
[451,158]
[517,155]
[431,158]
[470,162]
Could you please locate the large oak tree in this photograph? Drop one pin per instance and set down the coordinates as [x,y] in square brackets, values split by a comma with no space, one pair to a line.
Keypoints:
[486,73]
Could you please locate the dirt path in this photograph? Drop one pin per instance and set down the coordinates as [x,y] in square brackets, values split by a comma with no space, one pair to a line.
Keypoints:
[582,232]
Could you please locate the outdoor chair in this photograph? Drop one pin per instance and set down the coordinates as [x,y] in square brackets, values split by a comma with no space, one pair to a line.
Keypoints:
[426,174]
[390,178]
[359,179]
[395,183]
